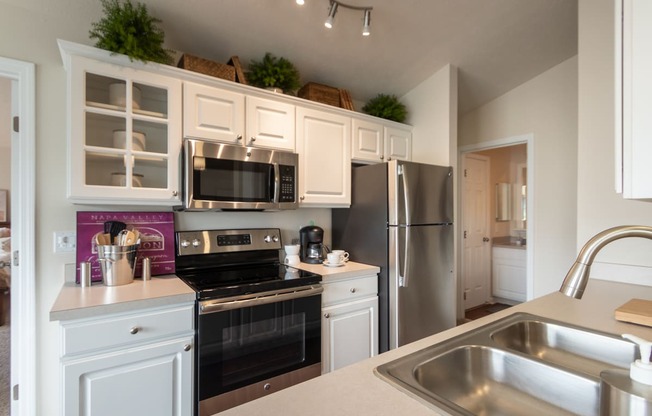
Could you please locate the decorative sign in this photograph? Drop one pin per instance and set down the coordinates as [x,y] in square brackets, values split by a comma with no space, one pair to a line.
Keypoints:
[156,239]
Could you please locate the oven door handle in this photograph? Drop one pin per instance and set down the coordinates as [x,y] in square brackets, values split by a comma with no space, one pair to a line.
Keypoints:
[210,306]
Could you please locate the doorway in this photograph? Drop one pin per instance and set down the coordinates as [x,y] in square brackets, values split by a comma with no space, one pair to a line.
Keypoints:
[17,125]
[496,234]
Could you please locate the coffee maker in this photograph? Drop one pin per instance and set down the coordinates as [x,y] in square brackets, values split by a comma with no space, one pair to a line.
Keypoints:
[311,238]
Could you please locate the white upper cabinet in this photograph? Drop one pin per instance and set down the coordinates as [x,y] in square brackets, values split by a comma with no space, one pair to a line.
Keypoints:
[374,142]
[124,134]
[231,117]
[324,147]
[633,98]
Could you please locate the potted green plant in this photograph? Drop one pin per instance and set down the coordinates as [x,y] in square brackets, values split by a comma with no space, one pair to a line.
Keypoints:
[273,73]
[387,107]
[130,30]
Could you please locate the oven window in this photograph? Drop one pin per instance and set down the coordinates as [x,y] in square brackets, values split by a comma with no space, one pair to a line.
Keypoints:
[232,180]
[244,346]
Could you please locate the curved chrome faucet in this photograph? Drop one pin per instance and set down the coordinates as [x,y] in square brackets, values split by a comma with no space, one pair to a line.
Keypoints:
[578,275]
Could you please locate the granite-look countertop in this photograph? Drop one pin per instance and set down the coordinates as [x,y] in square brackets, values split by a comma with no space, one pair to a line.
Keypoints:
[355,390]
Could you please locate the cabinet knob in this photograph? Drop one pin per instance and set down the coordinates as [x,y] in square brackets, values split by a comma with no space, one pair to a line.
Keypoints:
[248,154]
[327,315]
[175,193]
[187,347]
[253,139]
[267,386]
[302,197]
[389,158]
[485,239]
[134,330]
[239,137]
[382,157]
[352,290]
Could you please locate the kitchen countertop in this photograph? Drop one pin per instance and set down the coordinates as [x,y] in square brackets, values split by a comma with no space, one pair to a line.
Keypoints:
[355,390]
[75,302]
[349,270]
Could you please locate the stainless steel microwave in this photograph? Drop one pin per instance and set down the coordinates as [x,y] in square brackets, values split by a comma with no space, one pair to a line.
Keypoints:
[228,177]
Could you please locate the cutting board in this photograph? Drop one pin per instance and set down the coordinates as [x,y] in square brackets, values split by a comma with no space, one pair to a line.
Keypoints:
[637,311]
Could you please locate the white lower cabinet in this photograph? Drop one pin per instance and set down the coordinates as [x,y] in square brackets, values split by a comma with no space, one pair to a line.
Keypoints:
[509,270]
[349,321]
[129,364]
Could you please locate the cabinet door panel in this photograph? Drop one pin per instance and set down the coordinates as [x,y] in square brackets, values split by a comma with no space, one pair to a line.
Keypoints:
[367,141]
[349,333]
[270,124]
[211,113]
[140,381]
[398,144]
[324,147]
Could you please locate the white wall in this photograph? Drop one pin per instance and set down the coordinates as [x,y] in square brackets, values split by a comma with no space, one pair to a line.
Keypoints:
[5,133]
[432,110]
[545,106]
[598,205]
[30,29]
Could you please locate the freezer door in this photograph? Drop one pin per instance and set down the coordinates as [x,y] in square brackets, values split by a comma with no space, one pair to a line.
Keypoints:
[419,193]
[422,286]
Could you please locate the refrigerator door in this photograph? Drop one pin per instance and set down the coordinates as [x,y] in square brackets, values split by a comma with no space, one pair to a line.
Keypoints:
[419,193]
[421,282]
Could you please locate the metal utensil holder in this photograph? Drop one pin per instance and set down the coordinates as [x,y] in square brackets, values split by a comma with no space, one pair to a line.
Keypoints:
[117,263]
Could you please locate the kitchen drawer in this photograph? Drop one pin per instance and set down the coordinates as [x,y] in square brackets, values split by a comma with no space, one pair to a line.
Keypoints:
[111,331]
[347,290]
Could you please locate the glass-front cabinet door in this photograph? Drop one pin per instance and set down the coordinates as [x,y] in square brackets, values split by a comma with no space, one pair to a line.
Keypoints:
[125,134]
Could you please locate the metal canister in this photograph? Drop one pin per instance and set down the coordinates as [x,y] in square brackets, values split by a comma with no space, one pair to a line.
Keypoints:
[85,274]
[147,269]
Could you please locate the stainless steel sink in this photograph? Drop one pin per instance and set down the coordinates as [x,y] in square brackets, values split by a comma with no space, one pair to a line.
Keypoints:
[519,365]
[578,349]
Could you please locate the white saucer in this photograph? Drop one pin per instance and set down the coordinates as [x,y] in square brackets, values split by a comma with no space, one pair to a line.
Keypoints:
[327,264]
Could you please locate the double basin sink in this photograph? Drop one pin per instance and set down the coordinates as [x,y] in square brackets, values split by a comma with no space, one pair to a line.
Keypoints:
[519,365]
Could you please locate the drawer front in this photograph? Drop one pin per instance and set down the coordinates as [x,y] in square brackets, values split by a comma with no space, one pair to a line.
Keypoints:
[346,290]
[112,331]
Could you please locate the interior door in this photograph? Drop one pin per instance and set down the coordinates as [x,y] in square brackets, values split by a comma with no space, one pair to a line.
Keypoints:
[476,255]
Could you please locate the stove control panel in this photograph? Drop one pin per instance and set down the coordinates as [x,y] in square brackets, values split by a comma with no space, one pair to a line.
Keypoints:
[225,241]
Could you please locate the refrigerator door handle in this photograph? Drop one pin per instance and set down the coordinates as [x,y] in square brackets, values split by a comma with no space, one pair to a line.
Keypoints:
[406,193]
[403,278]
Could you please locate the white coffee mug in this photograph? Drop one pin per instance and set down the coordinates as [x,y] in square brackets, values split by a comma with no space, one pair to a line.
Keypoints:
[343,254]
[334,258]
[292,249]
[292,259]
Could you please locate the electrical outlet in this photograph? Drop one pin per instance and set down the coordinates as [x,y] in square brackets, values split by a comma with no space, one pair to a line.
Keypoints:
[65,241]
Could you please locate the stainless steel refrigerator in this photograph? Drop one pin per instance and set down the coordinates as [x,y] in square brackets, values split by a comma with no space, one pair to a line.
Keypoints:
[401,219]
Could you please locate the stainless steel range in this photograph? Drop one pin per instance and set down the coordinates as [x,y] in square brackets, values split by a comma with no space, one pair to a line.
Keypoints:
[258,322]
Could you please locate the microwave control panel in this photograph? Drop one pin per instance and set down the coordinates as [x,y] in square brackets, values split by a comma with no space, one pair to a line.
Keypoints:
[288,184]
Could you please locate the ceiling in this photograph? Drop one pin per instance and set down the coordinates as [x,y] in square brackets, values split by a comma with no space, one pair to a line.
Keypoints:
[495,44]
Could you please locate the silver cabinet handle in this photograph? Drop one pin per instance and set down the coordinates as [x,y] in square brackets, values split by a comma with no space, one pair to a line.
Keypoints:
[485,239]
[327,315]
[302,197]
[267,386]
[239,137]
[382,157]
[253,139]
[352,290]
[175,193]
[187,347]
[134,330]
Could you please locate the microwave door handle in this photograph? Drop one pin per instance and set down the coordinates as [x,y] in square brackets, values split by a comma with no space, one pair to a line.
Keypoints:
[277,183]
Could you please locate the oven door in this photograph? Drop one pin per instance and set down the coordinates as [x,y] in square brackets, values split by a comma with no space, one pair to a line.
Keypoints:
[245,341]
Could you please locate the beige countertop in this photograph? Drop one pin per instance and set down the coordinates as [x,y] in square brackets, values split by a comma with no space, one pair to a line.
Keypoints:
[349,270]
[355,390]
[75,302]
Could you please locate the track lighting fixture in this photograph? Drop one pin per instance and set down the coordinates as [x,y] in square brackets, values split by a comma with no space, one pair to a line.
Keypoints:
[334,4]
[331,15]
[367,22]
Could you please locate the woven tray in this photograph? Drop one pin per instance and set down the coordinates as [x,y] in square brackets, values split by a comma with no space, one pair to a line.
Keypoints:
[205,66]
[320,93]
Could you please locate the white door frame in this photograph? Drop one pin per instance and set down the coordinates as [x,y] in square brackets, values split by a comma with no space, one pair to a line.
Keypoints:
[508,141]
[23,288]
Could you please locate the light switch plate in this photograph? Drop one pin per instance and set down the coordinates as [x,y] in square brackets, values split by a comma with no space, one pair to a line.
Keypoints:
[65,241]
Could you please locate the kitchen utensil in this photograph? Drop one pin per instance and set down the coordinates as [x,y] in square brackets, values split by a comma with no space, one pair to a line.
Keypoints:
[335,258]
[114,228]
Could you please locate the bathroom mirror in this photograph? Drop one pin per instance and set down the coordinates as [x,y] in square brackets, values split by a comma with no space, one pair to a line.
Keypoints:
[503,202]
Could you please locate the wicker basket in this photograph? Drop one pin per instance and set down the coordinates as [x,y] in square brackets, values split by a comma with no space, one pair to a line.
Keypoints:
[320,93]
[204,66]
